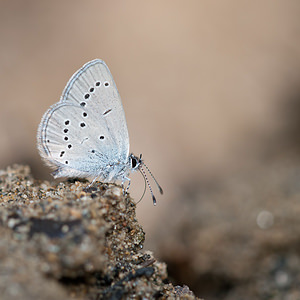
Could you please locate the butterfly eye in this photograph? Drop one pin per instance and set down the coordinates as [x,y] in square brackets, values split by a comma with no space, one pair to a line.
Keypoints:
[133,163]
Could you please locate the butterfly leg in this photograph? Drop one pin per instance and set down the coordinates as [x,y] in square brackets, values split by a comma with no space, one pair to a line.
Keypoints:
[125,191]
[91,184]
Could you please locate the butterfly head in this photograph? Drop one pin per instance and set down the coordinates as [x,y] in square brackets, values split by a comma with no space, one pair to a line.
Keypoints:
[135,162]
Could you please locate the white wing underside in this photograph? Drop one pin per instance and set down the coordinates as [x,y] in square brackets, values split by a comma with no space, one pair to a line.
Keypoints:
[85,133]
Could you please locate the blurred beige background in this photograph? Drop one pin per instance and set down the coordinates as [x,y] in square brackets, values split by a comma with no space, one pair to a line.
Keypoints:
[208,87]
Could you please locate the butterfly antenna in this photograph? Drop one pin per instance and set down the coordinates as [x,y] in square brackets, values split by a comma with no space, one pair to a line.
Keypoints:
[144,188]
[159,187]
[149,186]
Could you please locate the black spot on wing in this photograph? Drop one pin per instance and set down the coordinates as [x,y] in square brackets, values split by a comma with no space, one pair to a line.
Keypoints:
[107,111]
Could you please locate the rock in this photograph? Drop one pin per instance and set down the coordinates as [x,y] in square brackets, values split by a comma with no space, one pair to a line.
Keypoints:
[62,241]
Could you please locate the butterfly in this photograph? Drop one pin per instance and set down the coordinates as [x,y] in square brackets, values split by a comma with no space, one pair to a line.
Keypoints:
[85,134]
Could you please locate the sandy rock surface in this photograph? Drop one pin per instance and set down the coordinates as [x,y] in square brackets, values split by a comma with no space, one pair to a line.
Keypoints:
[68,241]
